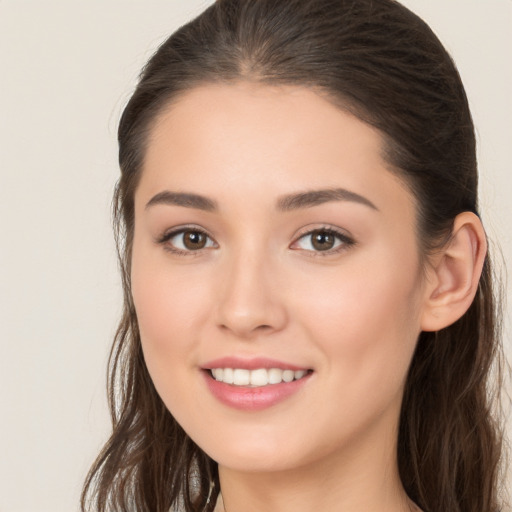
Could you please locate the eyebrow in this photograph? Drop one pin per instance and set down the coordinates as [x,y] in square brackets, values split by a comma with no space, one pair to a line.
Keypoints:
[286,203]
[311,198]
[185,199]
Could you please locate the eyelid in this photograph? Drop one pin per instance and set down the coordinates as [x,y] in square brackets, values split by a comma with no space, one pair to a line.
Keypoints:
[170,233]
[346,239]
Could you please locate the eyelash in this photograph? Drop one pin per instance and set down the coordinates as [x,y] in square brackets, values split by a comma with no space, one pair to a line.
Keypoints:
[346,241]
[168,235]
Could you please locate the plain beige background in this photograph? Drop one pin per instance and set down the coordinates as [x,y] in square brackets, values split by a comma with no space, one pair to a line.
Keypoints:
[66,69]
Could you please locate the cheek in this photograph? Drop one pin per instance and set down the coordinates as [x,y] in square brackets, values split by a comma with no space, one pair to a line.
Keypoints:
[163,307]
[366,318]
[169,303]
[168,307]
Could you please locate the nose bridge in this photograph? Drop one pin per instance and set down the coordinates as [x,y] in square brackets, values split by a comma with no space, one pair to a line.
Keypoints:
[250,302]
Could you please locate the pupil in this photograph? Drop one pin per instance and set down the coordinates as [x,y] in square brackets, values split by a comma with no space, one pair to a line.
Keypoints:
[323,241]
[194,240]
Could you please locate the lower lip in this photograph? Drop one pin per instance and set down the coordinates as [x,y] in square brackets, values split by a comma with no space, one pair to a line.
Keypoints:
[253,399]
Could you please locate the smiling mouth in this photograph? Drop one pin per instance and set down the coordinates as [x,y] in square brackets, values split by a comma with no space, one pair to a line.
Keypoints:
[256,378]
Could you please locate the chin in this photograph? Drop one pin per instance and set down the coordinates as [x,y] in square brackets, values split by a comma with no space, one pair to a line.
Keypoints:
[260,452]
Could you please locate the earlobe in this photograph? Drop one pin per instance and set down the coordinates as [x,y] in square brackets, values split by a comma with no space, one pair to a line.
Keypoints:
[454,275]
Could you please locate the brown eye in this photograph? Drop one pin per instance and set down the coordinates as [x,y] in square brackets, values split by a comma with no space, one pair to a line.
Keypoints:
[322,240]
[182,241]
[194,240]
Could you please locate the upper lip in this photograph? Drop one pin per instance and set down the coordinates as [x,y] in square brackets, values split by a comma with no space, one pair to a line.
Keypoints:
[250,364]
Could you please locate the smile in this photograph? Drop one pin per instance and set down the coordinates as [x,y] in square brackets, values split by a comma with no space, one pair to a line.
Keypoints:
[258,377]
[254,384]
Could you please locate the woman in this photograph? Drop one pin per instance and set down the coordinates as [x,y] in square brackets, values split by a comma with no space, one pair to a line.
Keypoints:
[309,318]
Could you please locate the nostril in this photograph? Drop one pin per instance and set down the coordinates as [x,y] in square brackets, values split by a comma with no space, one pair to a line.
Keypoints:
[246,331]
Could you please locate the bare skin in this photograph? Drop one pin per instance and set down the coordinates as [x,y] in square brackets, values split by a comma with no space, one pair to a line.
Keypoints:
[237,273]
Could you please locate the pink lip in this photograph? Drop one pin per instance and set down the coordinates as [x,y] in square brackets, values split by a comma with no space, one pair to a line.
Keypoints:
[250,364]
[247,398]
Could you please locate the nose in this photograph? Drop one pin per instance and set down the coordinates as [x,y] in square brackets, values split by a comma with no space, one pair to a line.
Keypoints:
[250,302]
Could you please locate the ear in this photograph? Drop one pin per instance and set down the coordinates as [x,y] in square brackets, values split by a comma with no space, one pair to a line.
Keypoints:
[454,274]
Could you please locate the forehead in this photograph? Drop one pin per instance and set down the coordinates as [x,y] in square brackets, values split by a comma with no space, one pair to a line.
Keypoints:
[244,136]
[250,114]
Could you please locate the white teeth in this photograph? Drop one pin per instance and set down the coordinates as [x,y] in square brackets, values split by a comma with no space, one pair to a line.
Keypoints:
[241,377]
[227,376]
[275,376]
[256,378]
[218,373]
[288,375]
[259,377]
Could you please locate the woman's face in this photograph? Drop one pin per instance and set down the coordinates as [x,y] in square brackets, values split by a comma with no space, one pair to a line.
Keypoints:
[272,243]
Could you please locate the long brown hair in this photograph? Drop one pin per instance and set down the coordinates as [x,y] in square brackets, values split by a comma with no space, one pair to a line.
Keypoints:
[381,62]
